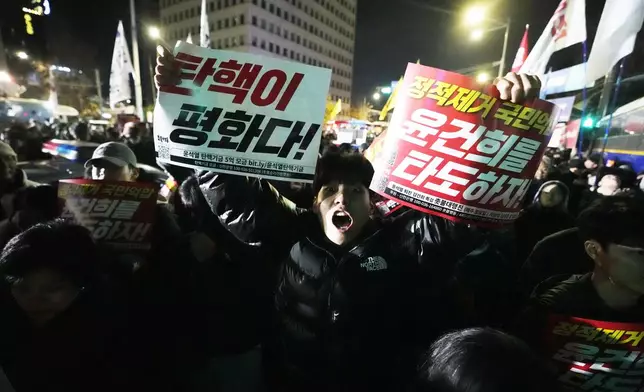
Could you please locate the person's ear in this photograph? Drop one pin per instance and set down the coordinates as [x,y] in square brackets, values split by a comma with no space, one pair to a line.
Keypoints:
[594,250]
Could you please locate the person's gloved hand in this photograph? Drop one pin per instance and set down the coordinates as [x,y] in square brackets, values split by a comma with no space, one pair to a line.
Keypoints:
[167,71]
[518,88]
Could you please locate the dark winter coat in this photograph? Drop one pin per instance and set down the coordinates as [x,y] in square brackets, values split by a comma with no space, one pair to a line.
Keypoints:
[351,315]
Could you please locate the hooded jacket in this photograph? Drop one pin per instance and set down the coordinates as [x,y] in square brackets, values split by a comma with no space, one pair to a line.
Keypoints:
[19,181]
[538,222]
[345,315]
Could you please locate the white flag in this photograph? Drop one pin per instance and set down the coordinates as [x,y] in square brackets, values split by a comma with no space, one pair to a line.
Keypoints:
[204,34]
[121,69]
[566,27]
[189,39]
[616,33]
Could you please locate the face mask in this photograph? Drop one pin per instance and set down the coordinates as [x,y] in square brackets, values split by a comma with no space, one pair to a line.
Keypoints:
[627,266]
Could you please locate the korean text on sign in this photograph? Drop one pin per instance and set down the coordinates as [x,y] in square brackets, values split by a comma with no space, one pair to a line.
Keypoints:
[119,214]
[242,114]
[459,152]
[596,355]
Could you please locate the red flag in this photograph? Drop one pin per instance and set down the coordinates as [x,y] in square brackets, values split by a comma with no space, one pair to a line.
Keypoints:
[522,53]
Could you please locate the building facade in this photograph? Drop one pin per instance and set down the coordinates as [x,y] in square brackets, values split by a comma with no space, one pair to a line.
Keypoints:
[315,32]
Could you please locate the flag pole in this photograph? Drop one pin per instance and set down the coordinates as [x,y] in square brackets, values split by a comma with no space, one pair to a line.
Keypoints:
[618,84]
[504,54]
[138,94]
[584,107]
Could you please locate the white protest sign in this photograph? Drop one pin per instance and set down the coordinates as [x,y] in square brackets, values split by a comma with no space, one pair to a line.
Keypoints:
[242,114]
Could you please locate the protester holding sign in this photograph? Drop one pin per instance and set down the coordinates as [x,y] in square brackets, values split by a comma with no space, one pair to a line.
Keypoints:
[572,318]
[150,258]
[354,294]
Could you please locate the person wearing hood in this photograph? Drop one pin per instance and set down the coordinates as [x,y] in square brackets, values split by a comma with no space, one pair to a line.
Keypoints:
[547,214]
[12,179]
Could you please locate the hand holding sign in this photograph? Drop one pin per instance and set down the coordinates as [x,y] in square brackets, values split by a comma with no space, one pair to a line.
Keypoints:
[518,88]
[167,71]
[457,151]
[239,113]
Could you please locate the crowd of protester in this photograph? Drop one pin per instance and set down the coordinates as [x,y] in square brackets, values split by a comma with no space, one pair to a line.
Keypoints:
[253,285]
[26,139]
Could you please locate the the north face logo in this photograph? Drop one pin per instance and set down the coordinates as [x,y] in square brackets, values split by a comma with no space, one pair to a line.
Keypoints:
[376,263]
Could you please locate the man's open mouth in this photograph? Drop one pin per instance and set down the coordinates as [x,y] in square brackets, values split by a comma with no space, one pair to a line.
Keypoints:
[342,220]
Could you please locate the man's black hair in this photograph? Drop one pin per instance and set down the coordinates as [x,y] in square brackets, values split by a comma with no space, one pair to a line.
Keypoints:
[595,158]
[482,360]
[613,220]
[344,168]
[59,245]
[191,206]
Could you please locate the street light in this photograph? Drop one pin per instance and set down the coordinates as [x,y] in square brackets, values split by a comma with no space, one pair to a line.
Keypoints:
[154,32]
[385,90]
[476,35]
[483,77]
[22,55]
[475,15]
[376,96]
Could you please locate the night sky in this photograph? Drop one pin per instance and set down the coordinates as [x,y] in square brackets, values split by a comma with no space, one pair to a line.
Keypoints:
[390,33]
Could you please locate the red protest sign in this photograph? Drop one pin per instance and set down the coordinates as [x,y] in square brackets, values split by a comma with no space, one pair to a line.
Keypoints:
[457,151]
[119,214]
[592,355]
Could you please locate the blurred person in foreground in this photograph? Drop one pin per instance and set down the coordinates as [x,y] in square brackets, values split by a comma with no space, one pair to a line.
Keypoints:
[58,331]
[612,231]
[356,296]
[482,360]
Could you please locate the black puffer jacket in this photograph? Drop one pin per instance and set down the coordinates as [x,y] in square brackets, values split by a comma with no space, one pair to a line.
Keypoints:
[346,316]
